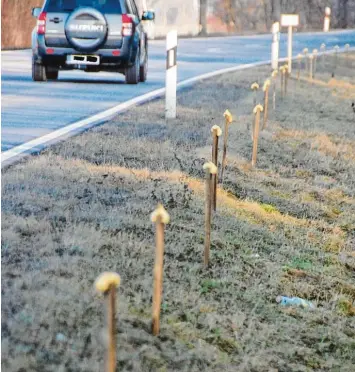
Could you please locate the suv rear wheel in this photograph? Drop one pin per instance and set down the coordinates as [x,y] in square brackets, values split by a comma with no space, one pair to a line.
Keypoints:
[143,70]
[38,71]
[132,73]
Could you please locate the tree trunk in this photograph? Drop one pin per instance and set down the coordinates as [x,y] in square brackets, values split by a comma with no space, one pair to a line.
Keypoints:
[343,13]
[203,17]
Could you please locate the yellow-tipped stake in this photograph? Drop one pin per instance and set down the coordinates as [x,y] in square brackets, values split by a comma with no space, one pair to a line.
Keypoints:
[266,101]
[287,74]
[228,120]
[107,284]
[282,77]
[257,110]
[299,60]
[216,133]
[305,52]
[322,49]
[311,66]
[274,76]
[315,55]
[336,49]
[210,170]
[254,87]
[161,218]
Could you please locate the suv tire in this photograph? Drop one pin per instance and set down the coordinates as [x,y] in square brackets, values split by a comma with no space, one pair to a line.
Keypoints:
[143,70]
[133,73]
[38,71]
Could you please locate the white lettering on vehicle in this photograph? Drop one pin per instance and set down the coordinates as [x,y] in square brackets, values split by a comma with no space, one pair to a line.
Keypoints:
[87,28]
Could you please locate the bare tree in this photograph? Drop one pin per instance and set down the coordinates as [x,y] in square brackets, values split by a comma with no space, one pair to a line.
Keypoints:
[203,17]
[343,13]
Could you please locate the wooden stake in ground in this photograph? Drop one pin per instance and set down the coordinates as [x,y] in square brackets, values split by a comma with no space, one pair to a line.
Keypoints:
[266,101]
[254,87]
[335,60]
[274,76]
[210,170]
[283,81]
[305,52]
[299,61]
[311,67]
[287,74]
[229,119]
[216,133]
[257,110]
[282,77]
[315,55]
[107,284]
[161,218]
[322,49]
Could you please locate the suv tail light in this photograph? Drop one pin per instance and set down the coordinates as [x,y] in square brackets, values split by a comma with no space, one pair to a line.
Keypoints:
[127,25]
[41,23]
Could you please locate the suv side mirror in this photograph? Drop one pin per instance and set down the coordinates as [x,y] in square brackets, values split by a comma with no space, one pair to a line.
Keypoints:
[36,12]
[148,15]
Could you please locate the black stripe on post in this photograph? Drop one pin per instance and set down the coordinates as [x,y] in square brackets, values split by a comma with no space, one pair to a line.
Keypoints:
[168,53]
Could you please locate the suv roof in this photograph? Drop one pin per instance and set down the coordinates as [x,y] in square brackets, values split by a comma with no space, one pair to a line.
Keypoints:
[104,6]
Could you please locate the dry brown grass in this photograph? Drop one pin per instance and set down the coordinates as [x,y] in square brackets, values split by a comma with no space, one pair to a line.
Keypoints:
[286,227]
[333,146]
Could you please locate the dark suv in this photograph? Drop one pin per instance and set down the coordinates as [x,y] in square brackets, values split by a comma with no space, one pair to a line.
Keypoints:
[90,35]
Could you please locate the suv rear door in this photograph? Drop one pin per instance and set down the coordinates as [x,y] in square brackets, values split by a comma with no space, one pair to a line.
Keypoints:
[58,12]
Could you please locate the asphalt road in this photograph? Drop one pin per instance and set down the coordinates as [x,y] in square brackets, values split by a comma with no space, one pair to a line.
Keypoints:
[30,110]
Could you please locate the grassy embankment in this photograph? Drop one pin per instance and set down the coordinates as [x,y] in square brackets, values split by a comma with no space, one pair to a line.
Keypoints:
[286,227]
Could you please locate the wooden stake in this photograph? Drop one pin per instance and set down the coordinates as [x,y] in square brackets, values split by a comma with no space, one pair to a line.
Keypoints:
[229,119]
[256,111]
[336,49]
[305,52]
[274,75]
[216,133]
[266,101]
[315,55]
[254,87]
[299,60]
[322,49]
[107,284]
[161,218]
[287,74]
[311,67]
[282,76]
[210,170]
[111,325]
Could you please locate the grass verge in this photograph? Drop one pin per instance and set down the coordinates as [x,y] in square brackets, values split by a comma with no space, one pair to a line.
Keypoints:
[286,227]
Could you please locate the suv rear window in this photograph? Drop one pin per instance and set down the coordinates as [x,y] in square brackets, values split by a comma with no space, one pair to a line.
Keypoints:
[104,6]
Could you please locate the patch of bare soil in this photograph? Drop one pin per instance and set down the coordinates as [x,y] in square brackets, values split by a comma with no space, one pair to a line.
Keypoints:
[286,227]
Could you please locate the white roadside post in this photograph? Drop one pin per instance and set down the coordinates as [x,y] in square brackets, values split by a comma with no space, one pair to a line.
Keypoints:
[275,46]
[290,21]
[327,19]
[171,75]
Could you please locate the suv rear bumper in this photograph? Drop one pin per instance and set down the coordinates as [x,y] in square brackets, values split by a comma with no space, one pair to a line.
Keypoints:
[58,55]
